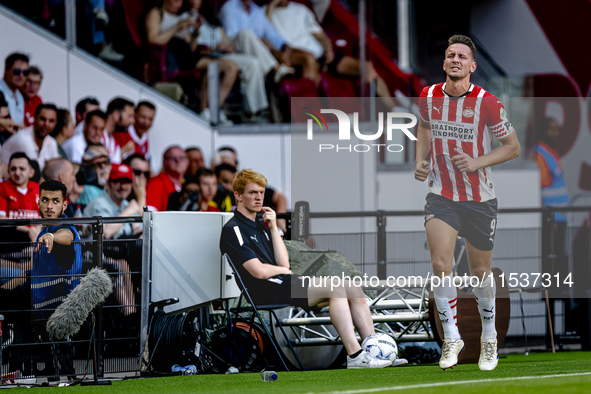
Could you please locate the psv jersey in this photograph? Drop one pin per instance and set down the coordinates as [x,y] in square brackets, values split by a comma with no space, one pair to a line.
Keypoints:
[19,204]
[466,123]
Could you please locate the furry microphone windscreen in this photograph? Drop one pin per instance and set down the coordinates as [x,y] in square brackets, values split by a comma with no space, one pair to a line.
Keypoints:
[93,289]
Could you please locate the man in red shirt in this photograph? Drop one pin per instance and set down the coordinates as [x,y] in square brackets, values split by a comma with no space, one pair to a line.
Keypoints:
[30,90]
[135,138]
[18,199]
[174,165]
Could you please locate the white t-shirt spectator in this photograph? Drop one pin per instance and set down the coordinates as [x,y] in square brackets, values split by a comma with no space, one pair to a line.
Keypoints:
[75,147]
[112,147]
[297,23]
[24,141]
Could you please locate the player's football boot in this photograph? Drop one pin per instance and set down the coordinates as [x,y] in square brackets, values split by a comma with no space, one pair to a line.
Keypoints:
[450,352]
[366,360]
[489,357]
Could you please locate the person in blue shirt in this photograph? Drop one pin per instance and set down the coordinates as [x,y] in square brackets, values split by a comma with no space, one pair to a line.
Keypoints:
[55,253]
[251,33]
[55,268]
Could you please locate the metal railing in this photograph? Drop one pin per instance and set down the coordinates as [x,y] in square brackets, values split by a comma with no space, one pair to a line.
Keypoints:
[25,342]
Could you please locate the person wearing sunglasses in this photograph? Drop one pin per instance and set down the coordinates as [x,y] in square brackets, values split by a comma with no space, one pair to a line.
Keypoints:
[16,70]
[140,168]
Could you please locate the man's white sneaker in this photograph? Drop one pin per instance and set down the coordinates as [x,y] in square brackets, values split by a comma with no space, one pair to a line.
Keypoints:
[489,358]
[400,362]
[450,352]
[366,360]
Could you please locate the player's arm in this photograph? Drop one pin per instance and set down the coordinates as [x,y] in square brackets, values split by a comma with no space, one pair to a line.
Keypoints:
[261,270]
[423,144]
[63,237]
[509,149]
[281,255]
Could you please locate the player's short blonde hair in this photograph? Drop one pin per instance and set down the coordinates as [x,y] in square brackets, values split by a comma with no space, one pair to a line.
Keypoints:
[460,39]
[245,177]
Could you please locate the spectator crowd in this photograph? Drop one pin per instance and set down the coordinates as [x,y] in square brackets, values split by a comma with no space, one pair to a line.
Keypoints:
[103,159]
[257,45]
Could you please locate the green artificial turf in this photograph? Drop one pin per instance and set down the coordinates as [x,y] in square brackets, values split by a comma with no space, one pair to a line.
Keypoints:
[535,365]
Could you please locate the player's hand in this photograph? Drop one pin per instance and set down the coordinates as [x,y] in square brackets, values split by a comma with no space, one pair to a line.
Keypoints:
[422,171]
[464,162]
[270,217]
[46,240]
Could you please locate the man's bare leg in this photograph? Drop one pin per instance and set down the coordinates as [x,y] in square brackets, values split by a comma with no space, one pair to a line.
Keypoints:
[361,314]
[340,314]
[310,67]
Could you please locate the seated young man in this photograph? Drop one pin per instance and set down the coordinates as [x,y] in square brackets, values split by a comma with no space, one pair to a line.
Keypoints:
[262,260]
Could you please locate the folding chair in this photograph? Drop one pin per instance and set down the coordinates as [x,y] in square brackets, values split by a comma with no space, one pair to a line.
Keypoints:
[255,308]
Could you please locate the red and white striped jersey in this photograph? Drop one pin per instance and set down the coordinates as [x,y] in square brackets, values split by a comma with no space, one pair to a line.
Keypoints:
[466,123]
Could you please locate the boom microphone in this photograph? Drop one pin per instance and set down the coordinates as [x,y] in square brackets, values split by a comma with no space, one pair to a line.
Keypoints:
[93,289]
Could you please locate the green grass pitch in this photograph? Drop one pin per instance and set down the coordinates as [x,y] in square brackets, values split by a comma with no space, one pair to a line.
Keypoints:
[514,374]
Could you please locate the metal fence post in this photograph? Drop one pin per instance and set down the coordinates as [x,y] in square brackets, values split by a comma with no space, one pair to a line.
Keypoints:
[146,275]
[382,249]
[70,10]
[548,264]
[97,237]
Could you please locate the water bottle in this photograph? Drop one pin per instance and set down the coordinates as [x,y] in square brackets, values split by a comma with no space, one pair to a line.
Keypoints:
[269,376]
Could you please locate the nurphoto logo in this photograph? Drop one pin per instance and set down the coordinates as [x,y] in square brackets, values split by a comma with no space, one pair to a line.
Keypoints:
[344,121]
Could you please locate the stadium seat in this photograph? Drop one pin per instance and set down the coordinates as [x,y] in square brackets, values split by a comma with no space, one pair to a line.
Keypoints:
[256,308]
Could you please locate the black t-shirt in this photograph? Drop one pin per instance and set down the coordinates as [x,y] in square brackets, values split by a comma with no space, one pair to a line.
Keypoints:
[243,239]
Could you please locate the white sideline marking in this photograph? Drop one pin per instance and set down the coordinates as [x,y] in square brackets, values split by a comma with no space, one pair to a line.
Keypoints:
[426,385]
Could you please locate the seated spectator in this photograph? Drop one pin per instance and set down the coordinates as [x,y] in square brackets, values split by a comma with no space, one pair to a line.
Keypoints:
[273,199]
[252,76]
[29,91]
[93,173]
[164,26]
[260,256]
[195,160]
[92,134]
[252,34]
[83,107]
[174,167]
[7,126]
[16,70]
[197,193]
[224,198]
[64,171]
[119,117]
[35,141]
[187,197]
[63,130]
[135,139]
[113,202]
[225,154]
[140,168]
[297,23]
[18,200]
